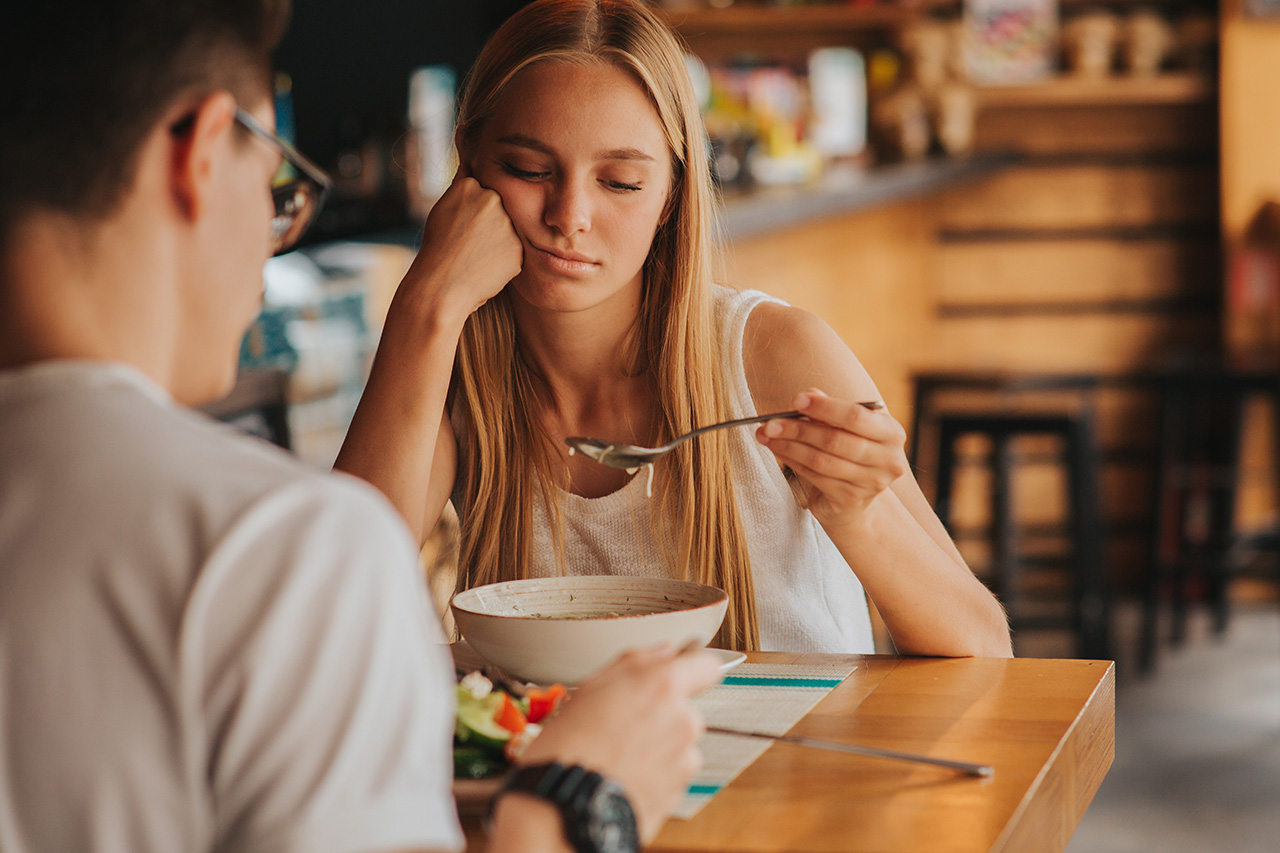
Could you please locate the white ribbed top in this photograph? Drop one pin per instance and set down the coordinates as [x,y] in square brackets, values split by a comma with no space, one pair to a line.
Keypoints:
[808,598]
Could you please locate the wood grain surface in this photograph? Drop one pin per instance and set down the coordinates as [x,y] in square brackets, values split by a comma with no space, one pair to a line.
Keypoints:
[1048,727]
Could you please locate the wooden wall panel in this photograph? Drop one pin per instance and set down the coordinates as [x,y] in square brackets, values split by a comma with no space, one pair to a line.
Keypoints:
[1089,271]
[1106,343]
[1099,129]
[1091,195]
[1097,254]
[868,275]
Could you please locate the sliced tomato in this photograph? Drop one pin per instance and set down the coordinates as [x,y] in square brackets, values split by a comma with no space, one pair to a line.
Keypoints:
[543,702]
[509,716]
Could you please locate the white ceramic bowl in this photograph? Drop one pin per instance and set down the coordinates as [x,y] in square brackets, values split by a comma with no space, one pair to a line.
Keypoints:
[563,629]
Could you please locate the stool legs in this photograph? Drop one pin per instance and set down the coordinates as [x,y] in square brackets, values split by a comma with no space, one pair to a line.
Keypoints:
[947,436]
[1092,611]
[1090,614]
[1165,528]
[1003,528]
[1222,520]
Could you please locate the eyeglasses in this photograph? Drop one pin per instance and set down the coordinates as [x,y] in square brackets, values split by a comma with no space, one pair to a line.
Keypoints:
[299,188]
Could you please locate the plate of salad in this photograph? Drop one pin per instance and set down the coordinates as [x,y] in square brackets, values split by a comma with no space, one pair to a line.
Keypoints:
[495,723]
[492,727]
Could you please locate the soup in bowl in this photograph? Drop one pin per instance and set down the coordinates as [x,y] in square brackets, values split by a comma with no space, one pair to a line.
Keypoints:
[564,629]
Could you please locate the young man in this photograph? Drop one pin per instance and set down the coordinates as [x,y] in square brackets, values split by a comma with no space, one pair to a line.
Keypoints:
[204,646]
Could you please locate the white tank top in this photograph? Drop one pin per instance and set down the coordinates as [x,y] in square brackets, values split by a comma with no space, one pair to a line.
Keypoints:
[807,597]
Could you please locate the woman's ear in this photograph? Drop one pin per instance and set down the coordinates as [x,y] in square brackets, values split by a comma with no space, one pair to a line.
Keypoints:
[198,129]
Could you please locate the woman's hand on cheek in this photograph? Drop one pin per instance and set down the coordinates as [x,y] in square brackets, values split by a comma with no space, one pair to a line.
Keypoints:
[469,250]
[845,454]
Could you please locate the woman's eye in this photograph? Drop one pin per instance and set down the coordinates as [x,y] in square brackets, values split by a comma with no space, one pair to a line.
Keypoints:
[622,186]
[523,174]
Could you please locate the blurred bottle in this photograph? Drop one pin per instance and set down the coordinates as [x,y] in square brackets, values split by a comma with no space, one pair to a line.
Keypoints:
[431,120]
[838,95]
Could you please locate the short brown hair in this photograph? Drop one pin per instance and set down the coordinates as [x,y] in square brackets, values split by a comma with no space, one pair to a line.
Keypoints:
[85,81]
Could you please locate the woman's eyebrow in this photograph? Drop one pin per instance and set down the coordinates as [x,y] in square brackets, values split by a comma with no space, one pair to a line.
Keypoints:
[624,154]
[522,141]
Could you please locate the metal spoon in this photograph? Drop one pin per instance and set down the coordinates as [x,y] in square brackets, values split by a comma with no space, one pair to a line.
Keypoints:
[630,457]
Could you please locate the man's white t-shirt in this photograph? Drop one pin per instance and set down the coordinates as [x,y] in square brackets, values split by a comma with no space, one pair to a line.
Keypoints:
[203,645]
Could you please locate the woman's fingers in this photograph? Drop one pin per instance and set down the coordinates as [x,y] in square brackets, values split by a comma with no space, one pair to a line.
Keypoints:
[832,474]
[852,416]
[807,442]
[841,448]
[840,482]
[469,241]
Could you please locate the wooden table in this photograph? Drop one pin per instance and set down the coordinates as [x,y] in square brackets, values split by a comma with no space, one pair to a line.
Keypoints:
[1047,726]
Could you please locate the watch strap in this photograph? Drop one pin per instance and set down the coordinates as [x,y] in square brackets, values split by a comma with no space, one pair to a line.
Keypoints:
[569,788]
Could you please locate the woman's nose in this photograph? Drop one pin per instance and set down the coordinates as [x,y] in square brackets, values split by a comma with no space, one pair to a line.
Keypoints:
[568,208]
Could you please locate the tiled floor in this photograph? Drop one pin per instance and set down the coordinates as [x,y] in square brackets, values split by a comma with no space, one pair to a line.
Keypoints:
[1197,764]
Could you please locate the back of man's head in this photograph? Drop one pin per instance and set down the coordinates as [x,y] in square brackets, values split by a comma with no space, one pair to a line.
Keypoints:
[85,81]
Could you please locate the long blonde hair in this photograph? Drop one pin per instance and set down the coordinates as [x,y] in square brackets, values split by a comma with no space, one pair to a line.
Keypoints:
[506,455]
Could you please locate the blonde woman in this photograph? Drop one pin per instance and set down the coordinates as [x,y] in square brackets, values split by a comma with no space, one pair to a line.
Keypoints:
[564,288]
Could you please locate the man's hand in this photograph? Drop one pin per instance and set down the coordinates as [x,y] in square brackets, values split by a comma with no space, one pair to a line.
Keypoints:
[633,723]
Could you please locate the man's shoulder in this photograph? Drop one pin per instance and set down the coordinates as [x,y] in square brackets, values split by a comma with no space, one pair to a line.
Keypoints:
[175,471]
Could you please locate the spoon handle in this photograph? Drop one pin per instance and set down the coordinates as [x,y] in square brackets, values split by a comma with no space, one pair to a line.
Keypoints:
[872,405]
[742,421]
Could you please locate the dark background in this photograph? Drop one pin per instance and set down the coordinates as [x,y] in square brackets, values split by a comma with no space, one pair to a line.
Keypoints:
[350,62]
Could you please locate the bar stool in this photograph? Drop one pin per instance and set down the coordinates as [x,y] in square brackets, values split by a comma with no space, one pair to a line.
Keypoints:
[1002,425]
[1090,617]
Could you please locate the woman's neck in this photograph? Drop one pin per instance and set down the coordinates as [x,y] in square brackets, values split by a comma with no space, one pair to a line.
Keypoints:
[585,363]
[586,360]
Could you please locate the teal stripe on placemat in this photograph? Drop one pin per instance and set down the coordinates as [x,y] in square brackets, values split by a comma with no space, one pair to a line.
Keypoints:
[778,681]
[704,790]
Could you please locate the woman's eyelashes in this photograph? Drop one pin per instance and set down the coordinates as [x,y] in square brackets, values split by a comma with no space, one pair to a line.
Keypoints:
[523,174]
[541,175]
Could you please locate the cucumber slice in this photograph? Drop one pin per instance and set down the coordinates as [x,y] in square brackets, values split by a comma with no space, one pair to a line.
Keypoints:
[475,725]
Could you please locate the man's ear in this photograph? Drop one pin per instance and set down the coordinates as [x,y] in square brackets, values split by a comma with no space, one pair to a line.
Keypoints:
[199,130]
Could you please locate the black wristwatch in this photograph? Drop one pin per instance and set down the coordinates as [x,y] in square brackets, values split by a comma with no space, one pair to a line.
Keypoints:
[597,816]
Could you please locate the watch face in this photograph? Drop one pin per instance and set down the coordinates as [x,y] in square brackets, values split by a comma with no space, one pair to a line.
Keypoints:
[609,823]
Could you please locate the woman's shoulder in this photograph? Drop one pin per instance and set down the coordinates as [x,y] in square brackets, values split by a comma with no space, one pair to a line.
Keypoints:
[786,350]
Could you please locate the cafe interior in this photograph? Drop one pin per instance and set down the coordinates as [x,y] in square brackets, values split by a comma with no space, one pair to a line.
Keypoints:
[1050,230]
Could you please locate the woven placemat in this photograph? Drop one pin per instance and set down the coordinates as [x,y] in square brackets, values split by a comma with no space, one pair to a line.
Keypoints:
[758,697]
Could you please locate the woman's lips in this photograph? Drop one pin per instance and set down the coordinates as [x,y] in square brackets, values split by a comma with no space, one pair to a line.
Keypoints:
[567,262]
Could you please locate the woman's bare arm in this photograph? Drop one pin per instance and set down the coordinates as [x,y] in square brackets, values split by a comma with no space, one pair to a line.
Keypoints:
[400,439]
[853,466]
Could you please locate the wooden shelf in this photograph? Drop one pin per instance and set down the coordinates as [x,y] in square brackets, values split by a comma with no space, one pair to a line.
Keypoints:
[719,34]
[1117,90]
[783,20]
[842,16]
